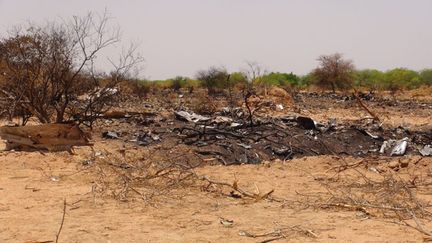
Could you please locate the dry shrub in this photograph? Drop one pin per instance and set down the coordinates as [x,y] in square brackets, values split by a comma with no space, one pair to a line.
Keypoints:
[241,87]
[281,96]
[48,67]
[422,93]
[204,105]
[278,92]
[135,88]
[389,197]
[126,177]
[261,104]
[255,102]
[170,95]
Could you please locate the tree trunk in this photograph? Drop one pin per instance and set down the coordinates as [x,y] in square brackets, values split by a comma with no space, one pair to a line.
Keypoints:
[60,116]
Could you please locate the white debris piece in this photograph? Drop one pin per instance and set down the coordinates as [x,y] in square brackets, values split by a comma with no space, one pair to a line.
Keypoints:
[371,135]
[190,117]
[426,150]
[235,124]
[373,169]
[222,119]
[400,147]
[106,92]
[97,93]
[384,147]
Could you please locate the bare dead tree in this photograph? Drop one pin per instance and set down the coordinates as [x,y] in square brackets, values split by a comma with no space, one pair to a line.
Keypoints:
[103,97]
[253,74]
[253,71]
[48,67]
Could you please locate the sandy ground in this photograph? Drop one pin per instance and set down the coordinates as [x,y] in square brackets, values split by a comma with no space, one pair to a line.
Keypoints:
[34,185]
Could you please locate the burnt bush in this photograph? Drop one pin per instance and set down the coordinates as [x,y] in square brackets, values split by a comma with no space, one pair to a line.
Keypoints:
[49,71]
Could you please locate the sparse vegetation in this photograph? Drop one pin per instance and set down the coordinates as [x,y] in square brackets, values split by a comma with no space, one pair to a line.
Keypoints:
[397,79]
[178,82]
[94,150]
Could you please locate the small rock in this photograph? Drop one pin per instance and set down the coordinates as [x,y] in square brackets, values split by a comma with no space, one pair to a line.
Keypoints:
[373,169]
[226,222]
[88,162]
[282,151]
[404,164]
[393,164]
[306,122]
[98,154]
[110,135]
[381,169]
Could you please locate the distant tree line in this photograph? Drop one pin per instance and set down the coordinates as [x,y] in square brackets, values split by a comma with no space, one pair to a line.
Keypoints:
[332,73]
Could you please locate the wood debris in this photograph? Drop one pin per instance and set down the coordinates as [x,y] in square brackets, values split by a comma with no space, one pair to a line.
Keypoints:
[51,137]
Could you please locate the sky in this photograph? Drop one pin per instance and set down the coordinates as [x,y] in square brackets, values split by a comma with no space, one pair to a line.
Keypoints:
[180,37]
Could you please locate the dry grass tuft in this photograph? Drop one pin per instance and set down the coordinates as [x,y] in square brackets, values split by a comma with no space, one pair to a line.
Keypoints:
[127,178]
[390,198]
[205,105]
[124,178]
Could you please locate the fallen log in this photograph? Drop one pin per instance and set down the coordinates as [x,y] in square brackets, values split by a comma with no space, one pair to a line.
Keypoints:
[51,137]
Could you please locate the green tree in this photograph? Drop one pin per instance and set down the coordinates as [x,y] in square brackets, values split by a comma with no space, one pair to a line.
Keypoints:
[370,78]
[426,76]
[214,78]
[281,79]
[401,78]
[238,78]
[306,80]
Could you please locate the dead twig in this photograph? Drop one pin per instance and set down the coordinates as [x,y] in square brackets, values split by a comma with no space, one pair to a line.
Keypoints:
[257,196]
[62,222]
[360,102]
[281,233]
[419,226]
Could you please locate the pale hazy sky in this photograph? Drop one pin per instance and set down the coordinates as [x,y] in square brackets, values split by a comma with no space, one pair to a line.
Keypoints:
[179,37]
